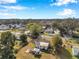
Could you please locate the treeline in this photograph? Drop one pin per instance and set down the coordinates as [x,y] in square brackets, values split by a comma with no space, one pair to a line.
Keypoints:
[42,21]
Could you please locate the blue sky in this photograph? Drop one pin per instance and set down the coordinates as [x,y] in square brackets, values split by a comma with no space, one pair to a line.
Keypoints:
[39,9]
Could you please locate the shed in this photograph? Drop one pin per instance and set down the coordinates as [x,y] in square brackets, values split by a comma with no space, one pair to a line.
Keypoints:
[36,51]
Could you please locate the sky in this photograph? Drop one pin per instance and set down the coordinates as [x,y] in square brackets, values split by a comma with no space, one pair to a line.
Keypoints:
[39,9]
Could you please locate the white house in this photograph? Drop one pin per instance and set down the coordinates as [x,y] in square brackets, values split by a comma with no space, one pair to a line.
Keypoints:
[42,45]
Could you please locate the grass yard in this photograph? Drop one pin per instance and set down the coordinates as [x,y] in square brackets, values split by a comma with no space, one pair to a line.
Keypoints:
[23,55]
[74,57]
[31,45]
[17,44]
[47,56]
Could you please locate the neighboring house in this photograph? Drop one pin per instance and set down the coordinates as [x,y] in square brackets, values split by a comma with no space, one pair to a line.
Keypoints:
[17,34]
[49,31]
[18,26]
[75,50]
[56,31]
[4,27]
[21,28]
[42,45]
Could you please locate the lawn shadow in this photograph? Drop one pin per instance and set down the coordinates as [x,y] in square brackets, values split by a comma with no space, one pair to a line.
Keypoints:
[77,57]
[38,56]
[65,54]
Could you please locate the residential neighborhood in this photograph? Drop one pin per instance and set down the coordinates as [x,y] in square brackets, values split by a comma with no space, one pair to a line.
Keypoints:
[40,41]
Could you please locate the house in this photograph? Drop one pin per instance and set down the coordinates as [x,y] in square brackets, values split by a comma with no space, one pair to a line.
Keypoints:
[56,31]
[17,34]
[4,27]
[75,50]
[17,26]
[20,26]
[47,27]
[42,45]
[49,31]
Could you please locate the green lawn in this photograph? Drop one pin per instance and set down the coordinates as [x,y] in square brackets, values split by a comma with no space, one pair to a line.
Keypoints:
[17,44]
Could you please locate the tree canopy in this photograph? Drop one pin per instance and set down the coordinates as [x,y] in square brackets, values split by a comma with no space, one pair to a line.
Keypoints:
[7,42]
[23,38]
[35,29]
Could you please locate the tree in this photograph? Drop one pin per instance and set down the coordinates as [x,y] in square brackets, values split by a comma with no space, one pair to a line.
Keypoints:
[7,38]
[23,38]
[7,53]
[55,24]
[35,29]
[7,42]
[55,43]
[68,26]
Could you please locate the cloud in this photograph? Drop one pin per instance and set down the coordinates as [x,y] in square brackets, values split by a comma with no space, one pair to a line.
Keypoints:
[7,14]
[7,1]
[63,2]
[10,11]
[67,12]
[17,8]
